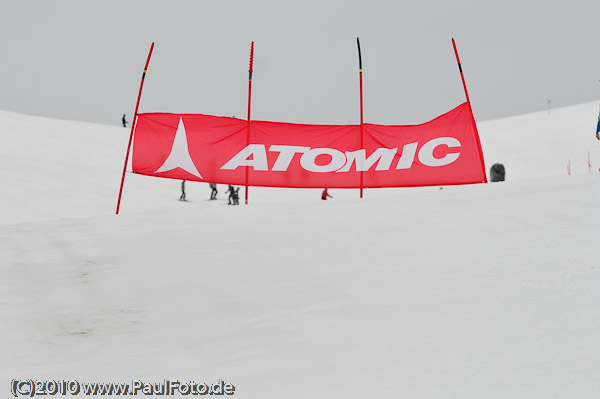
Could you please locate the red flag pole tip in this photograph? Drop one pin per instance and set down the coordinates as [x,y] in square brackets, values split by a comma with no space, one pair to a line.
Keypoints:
[251,56]
[460,70]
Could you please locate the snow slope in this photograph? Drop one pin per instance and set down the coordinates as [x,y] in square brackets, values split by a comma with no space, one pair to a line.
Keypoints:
[464,292]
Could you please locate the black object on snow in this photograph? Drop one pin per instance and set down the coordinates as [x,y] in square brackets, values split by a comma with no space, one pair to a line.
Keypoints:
[497,172]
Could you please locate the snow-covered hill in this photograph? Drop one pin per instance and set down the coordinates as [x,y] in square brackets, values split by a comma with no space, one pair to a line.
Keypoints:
[463,292]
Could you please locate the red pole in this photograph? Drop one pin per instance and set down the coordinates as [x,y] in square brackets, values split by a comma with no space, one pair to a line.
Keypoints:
[133,126]
[462,76]
[361,109]
[249,102]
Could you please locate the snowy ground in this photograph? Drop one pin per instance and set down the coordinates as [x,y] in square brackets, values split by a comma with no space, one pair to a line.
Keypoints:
[462,292]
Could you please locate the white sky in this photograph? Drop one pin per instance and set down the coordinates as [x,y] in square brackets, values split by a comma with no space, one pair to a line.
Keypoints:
[83,60]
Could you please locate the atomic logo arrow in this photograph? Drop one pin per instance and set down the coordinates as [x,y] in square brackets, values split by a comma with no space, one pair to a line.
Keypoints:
[180,154]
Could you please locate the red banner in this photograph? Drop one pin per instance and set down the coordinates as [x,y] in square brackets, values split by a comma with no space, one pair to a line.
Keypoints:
[215,149]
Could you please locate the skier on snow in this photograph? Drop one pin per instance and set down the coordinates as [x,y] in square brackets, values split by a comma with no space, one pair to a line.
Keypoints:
[236,197]
[325,194]
[182,197]
[213,194]
[231,191]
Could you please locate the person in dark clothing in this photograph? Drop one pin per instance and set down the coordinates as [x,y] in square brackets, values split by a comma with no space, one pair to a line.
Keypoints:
[182,197]
[325,194]
[124,121]
[231,191]
[598,129]
[236,197]
[213,193]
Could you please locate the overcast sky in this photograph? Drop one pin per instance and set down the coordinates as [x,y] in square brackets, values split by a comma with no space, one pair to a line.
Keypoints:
[82,60]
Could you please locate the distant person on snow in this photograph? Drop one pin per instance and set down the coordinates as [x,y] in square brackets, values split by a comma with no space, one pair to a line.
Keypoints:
[598,129]
[213,193]
[182,197]
[231,191]
[325,194]
[236,197]
[124,121]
